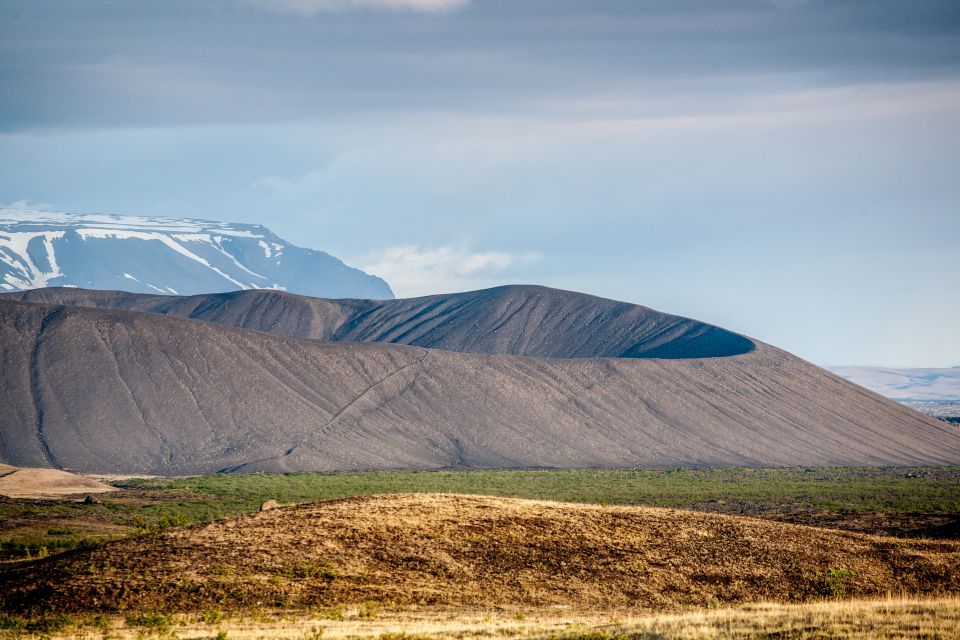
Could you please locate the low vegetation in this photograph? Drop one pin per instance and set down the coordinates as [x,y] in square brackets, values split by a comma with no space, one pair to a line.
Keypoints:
[896,501]
[897,489]
[888,618]
[319,572]
[448,550]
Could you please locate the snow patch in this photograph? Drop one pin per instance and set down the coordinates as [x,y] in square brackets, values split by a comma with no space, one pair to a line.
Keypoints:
[192,237]
[219,247]
[159,237]
[15,254]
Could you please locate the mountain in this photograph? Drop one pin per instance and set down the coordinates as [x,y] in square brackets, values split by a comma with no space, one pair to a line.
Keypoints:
[522,320]
[165,255]
[100,389]
[930,385]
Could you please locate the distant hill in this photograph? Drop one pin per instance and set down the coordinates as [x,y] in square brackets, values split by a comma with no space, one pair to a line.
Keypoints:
[526,377]
[931,385]
[520,320]
[165,255]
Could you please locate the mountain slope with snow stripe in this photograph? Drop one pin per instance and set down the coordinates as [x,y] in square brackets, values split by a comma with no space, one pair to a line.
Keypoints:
[166,255]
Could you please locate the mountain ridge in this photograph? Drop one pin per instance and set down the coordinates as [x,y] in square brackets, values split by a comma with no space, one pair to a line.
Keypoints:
[165,255]
[523,320]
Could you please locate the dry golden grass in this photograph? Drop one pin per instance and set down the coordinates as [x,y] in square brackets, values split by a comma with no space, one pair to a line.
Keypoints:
[892,618]
[18,482]
[470,551]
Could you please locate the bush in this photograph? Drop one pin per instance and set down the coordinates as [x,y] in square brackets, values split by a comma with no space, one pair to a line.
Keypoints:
[59,531]
[835,582]
[211,616]
[172,520]
[368,609]
[49,624]
[157,621]
[8,622]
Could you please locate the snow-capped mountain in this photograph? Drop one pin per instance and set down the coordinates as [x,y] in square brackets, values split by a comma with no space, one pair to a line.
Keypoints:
[166,255]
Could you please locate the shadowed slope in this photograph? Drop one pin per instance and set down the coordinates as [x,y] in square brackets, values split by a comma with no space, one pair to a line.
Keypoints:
[519,320]
[473,550]
[106,390]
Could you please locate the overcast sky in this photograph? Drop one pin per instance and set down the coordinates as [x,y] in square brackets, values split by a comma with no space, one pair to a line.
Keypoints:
[786,169]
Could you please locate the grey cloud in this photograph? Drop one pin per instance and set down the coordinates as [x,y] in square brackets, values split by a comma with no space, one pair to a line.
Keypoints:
[105,63]
[314,7]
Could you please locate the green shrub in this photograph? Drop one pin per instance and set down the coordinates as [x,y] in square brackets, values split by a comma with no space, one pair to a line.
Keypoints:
[211,616]
[368,609]
[156,621]
[835,582]
[9,622]
[49,624]
[302,569]
[332,613]
[172,520]
[59,531]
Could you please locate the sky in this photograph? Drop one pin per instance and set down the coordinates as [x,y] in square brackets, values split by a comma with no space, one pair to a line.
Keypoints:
[787,169]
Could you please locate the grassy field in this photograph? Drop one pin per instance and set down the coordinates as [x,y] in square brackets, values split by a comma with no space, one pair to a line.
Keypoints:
[928,490]
[892,618]
[909,502]
[899,501]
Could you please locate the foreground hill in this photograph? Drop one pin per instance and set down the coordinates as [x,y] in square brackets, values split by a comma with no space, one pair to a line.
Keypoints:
[520,320]
[469,550]
[134,392]
[165,255]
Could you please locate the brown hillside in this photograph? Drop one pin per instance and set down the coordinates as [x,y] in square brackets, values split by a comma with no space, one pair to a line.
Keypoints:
[468,550]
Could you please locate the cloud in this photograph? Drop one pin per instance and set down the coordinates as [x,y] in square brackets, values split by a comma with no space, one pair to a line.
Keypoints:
[313,7]
[413,270]
[788,4]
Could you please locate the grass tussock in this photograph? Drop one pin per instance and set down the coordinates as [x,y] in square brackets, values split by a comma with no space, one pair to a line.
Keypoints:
[889,618]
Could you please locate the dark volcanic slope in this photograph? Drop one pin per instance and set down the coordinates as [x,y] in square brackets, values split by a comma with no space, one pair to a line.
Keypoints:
[108,390]
[516,320]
